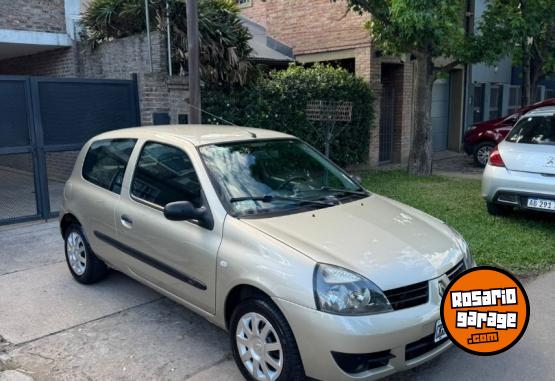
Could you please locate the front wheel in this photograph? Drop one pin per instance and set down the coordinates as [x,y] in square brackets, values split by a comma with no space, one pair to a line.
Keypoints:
[263,344]
[482,152]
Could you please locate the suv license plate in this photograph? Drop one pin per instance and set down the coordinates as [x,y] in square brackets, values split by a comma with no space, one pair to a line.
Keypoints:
[539,203]
[440,333]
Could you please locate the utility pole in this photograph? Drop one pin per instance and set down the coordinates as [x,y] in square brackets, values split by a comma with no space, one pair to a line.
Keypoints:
[147,16]
[169,37]
[194,62]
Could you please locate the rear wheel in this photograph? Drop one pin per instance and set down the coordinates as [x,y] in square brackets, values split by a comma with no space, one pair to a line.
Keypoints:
[263,344]
[85,267]
[498,210]
[482,152]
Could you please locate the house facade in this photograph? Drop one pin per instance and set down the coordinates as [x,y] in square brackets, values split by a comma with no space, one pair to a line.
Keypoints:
[321,31]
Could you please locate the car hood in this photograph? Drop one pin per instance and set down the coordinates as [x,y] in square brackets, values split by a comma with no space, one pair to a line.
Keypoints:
[391,244]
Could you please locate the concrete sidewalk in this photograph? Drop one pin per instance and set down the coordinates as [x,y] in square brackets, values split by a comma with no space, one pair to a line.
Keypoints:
[54,328]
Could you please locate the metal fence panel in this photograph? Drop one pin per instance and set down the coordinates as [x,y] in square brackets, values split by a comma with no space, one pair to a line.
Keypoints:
[73,111]
[17,187]
[14,120]
[44,123]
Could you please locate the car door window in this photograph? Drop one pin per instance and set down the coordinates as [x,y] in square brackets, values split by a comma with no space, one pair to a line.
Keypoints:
[106,161]
[165,174]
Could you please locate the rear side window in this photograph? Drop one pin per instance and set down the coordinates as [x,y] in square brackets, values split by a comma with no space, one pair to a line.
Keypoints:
[165,174]
[534,130]
[106,161]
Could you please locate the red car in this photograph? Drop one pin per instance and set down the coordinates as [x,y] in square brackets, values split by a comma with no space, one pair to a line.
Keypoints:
[483,136]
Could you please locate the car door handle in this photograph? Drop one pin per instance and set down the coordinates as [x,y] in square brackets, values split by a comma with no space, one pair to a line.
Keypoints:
[126,221]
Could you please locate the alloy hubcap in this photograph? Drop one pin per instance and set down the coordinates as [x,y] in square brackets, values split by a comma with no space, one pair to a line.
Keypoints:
[76,253]
[259,347]
[483,155]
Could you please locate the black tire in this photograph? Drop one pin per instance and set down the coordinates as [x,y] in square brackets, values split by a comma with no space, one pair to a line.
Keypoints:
[292,368]
[498,210]
[94,269]
[480,156]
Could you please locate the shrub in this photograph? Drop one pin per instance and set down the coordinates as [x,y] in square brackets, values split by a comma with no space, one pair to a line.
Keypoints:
[278,102]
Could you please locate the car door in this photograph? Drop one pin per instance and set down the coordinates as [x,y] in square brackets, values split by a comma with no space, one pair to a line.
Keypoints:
[177,256]
[96,194]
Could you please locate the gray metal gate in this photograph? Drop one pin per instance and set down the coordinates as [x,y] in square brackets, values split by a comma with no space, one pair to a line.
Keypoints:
[44,122]
[387,124]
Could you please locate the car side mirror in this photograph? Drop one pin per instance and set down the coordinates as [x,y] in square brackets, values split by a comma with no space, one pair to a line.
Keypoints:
[186,211]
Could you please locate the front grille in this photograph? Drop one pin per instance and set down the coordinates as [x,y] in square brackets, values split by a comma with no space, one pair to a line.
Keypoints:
[422,346]
[408,296]
[357,363]
[453,272]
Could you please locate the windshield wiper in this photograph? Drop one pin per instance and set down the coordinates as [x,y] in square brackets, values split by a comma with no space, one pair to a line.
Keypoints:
[344,191]
[271,198]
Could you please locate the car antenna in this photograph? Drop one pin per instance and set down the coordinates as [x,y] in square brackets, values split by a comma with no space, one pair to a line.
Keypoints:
[253,135]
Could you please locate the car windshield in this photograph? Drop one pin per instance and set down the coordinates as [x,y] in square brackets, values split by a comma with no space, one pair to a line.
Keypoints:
[534,130]
[276,176]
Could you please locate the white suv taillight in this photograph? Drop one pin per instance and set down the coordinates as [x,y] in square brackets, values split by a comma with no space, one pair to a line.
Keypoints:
[495,158]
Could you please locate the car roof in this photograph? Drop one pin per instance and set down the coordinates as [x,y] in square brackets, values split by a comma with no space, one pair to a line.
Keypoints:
[541,111]
[196,134]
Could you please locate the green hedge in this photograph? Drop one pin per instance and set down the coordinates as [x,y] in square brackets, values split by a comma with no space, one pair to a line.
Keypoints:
[277,101]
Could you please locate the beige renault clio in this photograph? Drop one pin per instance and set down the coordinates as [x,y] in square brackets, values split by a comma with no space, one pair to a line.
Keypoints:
[312,275]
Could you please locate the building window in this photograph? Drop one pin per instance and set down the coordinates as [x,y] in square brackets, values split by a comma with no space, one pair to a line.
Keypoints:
[495,97]
[244,3]
[514,99]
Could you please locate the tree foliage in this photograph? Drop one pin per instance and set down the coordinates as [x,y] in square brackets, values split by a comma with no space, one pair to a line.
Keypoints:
[224,41]
[278,102]
[434,28]
[524,30]
[434,33]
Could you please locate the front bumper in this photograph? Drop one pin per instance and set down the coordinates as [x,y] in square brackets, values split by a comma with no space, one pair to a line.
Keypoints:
[502,186]
[400,333]
[469,148]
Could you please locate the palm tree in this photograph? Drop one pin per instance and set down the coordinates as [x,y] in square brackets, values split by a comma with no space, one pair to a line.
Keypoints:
[224,41]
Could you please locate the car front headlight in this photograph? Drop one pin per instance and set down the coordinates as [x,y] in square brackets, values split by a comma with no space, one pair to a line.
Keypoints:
[463,245]
[343,292]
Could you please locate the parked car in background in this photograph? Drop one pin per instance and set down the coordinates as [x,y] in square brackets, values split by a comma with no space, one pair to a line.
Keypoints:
[264,236]
[482,137]
[521,170]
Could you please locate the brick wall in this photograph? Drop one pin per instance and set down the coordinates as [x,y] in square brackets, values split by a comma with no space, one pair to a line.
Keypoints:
[53,63]
[310,25]
[35,15]
[119,58]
